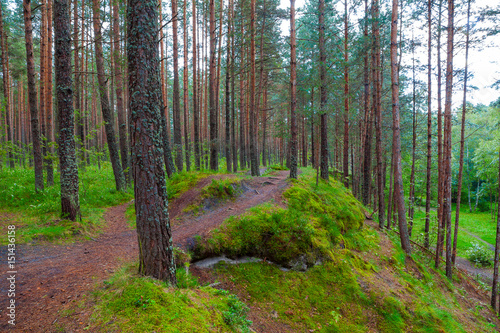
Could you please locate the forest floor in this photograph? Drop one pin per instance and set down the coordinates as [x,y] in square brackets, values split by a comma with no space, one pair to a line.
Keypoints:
[51,278]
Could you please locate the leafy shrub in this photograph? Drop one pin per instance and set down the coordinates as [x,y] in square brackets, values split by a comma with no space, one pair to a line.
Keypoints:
[235,316]
[479,255]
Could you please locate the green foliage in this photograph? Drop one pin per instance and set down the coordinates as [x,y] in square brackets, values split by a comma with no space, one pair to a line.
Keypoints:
[129,303]
[38,213]
[180,182]
[479,255]
[308,231]
[277,167]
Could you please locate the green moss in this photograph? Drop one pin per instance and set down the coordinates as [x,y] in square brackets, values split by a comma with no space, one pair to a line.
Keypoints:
[221,189]
[307,231]
[180,182]
[130,303]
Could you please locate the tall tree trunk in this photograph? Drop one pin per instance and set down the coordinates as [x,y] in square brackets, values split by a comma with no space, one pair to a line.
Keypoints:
[367,159]
[242,102]
[254,158]
[411,199]
[229,159]
[78,105]
[494,288]
[440,233]
[346,99]
[398,179]
[120,110]
[377,107]
[196,112]
[214,162]
[6,90]
[462,140]
[429,125]
[176,93]
[185,88]
[447,139]
[48,98]
[233,101]
[70,203]
[107,113]
[293,93]
[156,257]
[37,149]
[323,93]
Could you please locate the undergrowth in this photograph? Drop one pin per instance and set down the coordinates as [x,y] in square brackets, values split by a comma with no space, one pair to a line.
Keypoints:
[130,303]
[37,214]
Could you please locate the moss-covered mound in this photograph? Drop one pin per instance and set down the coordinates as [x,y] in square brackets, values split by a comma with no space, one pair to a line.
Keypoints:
[314,224]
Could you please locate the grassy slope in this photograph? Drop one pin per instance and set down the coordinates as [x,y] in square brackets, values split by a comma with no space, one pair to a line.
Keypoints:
[364,284]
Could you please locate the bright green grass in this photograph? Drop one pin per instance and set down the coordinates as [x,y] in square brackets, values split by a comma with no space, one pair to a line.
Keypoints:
[37,214]
[130,303]
[479,224]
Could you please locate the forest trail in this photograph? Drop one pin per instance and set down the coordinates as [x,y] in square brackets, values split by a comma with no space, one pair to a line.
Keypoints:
[50,277]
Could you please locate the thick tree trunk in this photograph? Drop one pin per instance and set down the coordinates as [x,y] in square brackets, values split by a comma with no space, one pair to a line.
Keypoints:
[447,139]
[323,93]
[462,140]
[233,95]
[68,166]
[429,126]
[293,93]
[107,113]
[37,149]
[398,179]
[120,110]
[153,225]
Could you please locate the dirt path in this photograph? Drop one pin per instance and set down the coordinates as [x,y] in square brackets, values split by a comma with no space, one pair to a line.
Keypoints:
[49,277]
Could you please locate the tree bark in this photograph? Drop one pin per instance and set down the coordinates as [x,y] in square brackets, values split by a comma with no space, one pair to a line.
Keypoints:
[145,100]
[70,203]
[254,159]
[48,98]
[229,159]
[429,125]
[196,112]
[494,288]
[377,107]
[214,162]
[440,237]
[179,163]
[107,113]
[447,139]
[323,93]
[185,88]
[293,93]
[6,90]
[462,140]
[37,149]
[346,99]
[398,179]
[120,110]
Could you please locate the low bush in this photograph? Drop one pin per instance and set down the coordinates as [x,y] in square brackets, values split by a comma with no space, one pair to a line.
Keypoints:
[479,255]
